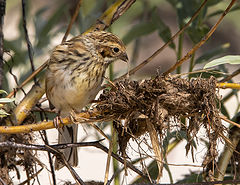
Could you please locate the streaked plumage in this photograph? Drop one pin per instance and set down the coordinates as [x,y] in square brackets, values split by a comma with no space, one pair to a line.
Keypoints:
[74,75]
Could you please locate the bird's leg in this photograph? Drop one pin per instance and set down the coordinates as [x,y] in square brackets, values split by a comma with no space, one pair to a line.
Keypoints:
[57,121]
[110,83]
[73,116]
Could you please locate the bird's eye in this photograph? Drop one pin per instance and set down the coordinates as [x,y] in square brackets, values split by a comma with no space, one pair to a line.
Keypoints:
[116,50]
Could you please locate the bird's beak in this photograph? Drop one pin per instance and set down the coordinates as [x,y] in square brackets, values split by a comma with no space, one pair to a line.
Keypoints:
[124,57]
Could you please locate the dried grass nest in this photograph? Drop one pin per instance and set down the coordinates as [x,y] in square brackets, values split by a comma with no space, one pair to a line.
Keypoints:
[162,101]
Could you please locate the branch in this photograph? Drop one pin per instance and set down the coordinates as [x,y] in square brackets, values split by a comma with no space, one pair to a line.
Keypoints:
[228,85]
[53,148]
[2,13]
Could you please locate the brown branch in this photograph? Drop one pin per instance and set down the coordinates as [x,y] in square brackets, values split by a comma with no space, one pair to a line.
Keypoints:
[72,20]
[235,73]
[53,149]
[38,70]
[229,121]
[28,42]
[2,13]
[145,62]
[199,44]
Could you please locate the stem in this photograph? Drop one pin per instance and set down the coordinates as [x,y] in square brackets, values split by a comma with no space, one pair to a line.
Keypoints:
[192,63]
[114,137]
[180,48]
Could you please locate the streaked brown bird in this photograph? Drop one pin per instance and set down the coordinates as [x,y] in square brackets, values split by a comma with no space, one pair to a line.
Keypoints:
[74,76]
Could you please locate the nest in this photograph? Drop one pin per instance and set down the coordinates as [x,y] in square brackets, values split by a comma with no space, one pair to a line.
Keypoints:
[162,101]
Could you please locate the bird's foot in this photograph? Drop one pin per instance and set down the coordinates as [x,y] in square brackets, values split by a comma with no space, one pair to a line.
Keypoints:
[58,123]
[73,116]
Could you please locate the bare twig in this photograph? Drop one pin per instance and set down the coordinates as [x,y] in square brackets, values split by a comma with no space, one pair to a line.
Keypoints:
[53,148]
[2,13]
[229,121]
[31,177]
[235,73]
[45,140]
[38,70]
[72,20]
[29,45]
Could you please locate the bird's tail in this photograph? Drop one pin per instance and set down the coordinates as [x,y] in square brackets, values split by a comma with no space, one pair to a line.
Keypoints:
[68,134]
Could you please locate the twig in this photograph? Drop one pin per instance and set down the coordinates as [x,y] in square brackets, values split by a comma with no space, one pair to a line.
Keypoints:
[199,44]
[31,177]
[53,148]
[108,159]
[135,69]
[63,159]
[45,140]
[2,13]
[235,73]
[72,20]
[229,121]
[29,45]
[38,70]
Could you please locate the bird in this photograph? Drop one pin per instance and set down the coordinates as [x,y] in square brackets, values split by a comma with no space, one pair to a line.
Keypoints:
[74,74]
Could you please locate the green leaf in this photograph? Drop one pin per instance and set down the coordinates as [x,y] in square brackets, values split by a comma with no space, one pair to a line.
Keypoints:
[3,92]
[197,33]
[6,100]
[229,59]
[212,53]
[3,112]
[139,30]
[163,30]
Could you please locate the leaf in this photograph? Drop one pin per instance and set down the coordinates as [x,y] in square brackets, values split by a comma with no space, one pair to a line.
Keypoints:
[197,33]
[229,59]
[163,30]
[212,53]
[3,92]
[139,30]
[3,112]
[6,100]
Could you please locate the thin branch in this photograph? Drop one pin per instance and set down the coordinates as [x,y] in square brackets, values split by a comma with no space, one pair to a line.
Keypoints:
[53,148]
[63,159]
[72,20]
[199,44]
[38,70]
[145,62]
[31,177]
[229,121]
[45,140]
[2,13]
[235,73]
[29,45]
